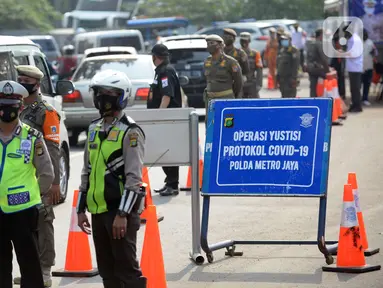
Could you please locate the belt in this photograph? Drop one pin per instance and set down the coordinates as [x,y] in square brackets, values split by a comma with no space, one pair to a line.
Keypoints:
[220,94]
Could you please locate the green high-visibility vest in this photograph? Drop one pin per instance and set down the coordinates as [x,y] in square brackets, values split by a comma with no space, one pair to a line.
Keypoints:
[106,164]
[19,188]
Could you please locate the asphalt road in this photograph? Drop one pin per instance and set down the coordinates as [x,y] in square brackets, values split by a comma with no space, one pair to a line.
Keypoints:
[355,147]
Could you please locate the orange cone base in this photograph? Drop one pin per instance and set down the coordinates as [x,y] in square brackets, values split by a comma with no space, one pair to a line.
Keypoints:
[354,270]
[367,252]
[370,252]
[337,123]
[79,274]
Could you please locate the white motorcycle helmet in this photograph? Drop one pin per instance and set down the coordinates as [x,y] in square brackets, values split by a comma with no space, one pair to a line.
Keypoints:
[112,80]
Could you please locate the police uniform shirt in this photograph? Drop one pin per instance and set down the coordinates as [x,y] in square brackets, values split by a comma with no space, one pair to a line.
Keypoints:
[41,160]
[133,156]
[166,83]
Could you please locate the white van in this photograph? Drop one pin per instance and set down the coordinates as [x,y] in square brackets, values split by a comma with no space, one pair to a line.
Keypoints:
[22,51]
[84,41]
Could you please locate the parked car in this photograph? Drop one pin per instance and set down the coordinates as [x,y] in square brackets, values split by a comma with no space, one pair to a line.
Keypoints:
[259,32]
[131,38]
[187,55]
[48,45]
[22,51]
[101,51]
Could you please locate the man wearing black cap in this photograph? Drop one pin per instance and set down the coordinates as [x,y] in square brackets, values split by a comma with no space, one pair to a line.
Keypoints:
[165,92]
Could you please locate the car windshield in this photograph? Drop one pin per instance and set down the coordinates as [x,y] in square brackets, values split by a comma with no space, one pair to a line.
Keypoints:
[45,44]
[140,68]
[188,55]
[132,40]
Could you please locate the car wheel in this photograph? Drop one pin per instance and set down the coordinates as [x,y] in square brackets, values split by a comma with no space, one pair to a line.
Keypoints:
[64,172]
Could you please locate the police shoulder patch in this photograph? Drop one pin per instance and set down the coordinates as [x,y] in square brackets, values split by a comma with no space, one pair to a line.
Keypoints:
[133,139]
[235,67]
[39,148]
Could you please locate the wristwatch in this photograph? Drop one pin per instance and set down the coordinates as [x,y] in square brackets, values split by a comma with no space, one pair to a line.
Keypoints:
[122,213]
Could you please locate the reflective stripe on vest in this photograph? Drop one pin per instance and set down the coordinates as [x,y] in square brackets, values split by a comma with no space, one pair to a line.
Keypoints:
[106,165]
[19,188]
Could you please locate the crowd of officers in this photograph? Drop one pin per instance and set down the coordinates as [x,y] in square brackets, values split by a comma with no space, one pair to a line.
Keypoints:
[111,180]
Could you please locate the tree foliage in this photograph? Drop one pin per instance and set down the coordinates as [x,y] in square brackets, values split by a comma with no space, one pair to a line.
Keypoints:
[27,14]
[206,11]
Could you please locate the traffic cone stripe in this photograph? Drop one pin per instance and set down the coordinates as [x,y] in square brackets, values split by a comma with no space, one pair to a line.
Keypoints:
[349,218]
[356,198]
[74,222]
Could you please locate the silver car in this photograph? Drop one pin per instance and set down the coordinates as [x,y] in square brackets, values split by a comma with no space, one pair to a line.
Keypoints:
[78,106]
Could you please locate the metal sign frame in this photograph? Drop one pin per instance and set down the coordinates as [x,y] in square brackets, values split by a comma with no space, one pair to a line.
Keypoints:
[165,123]
[215,117]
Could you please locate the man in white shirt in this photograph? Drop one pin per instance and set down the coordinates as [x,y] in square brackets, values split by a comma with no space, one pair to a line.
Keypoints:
[369,52]
[354,66]
[298,39]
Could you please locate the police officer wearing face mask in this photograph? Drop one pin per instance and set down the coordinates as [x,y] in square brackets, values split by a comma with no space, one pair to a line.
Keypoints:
[26,177]
[40,115]
[165,92]
[111,181]
[238,54]
[287,67]
[223,73]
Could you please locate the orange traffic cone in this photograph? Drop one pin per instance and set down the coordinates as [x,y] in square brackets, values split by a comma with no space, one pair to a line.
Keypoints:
[335,110]
[145,187]
[78,256]
[189,177]
[320,87]
[152,261]
[270,82]
[363,235]
[340,103]
[350,257]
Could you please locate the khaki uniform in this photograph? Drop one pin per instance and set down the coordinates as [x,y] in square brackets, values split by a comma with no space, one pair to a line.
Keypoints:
[241,56]
[44,118]
[224,79]
[255,76]
[287,71]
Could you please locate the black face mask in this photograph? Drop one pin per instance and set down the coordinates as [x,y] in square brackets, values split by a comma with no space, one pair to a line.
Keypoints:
[10,113]
[212,49]
[29,87]
[107,104]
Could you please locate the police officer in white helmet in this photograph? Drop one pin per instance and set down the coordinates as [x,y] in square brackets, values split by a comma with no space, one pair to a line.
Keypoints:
[111,182]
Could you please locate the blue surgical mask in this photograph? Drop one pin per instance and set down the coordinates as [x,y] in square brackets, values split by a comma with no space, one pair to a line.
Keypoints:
[285,43]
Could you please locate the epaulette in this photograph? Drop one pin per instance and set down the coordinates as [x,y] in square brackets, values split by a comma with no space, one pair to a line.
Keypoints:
[127,120]
[34,132]
[48,106]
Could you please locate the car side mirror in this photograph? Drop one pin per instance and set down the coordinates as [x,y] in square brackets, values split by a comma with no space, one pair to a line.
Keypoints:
[64,87]
[183,80]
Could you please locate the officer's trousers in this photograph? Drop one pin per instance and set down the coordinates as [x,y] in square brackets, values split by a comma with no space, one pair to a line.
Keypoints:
[172,176]
[116,259]
[250,91]
[286,87]
[20,229]
[46,238]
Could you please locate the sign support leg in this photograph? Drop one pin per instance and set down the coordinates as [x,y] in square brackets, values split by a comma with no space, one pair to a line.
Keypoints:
[326,251]
[195,254]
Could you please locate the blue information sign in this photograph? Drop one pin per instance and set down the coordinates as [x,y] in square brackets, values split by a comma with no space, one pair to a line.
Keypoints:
[267,147]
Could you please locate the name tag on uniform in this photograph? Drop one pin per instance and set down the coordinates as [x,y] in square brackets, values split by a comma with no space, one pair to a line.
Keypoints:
[93,146]
[25,146]
[92,135]
[113,135]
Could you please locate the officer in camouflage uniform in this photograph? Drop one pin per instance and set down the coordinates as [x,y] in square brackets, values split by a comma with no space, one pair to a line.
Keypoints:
[255,77]
[287,68]
[45,119]
[223,73]
[238,54]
